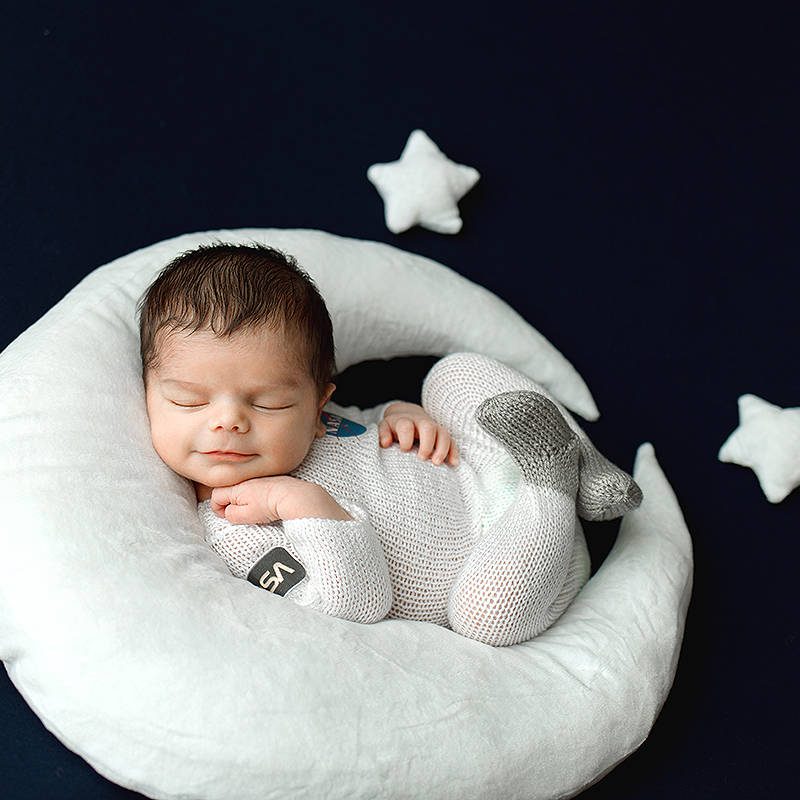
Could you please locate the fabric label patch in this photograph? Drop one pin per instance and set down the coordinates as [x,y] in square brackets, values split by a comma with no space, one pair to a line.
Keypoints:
[277,571]
[339,426]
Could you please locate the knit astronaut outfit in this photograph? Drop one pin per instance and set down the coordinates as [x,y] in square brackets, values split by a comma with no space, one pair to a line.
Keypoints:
[491,548]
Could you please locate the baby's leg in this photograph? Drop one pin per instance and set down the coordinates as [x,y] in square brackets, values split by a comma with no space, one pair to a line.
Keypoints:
[479,614]
[525,565]
[512,585]
[578,572]
[458,383]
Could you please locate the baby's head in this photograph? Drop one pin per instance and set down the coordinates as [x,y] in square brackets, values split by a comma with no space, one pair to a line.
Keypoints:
[237,355]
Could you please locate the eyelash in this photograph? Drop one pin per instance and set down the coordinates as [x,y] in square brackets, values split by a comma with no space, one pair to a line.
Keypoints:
[260,408]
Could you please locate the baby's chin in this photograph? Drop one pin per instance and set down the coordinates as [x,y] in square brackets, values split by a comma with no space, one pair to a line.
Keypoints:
[229,475]
[224,475]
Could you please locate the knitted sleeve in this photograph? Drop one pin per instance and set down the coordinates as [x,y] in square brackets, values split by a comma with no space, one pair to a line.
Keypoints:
[345,557]
[346,574]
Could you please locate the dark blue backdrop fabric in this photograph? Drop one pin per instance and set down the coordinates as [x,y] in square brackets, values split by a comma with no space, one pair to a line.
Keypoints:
[638,205]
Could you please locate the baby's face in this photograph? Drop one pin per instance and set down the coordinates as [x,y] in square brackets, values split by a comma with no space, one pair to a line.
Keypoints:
[246,394]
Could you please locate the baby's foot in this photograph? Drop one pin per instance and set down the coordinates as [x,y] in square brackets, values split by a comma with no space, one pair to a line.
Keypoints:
[536,435]
[605,491]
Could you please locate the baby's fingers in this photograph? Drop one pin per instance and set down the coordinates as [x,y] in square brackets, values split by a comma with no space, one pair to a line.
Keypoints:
[405,430]
[444,445]
[220,499]
[385,435]
[241,515]
[218,509]
[427,439]
[453,458]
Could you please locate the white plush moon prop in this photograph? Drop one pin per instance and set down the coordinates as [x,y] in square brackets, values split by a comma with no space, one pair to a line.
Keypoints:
[385,302]
[134,645]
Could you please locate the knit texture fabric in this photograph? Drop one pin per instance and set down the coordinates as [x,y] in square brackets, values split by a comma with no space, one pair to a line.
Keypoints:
[491,548]
[346,571]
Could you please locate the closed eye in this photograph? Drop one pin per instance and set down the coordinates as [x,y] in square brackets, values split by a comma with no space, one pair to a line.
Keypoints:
[260,408]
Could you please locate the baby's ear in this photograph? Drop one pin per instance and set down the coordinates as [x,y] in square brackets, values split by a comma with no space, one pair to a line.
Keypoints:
[326,395]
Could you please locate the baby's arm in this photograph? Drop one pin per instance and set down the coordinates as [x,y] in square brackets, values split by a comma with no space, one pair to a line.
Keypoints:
[346,571]
[261,500]
[346,574]
[349,575]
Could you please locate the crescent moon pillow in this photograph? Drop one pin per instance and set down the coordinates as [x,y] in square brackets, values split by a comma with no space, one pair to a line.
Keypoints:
[137,648]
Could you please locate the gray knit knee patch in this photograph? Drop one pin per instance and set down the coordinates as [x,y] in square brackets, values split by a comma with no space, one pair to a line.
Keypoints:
[536,435]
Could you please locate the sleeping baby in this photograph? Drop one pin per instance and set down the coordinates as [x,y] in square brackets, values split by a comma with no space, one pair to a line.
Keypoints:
[470,522]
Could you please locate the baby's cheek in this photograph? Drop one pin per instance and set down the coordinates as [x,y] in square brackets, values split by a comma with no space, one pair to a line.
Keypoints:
[173,449]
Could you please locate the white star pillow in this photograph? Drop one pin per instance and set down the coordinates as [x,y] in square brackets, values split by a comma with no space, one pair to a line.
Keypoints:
[423,187]
[768,441]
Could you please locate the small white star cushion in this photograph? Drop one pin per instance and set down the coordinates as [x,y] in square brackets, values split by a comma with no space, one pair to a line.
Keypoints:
[768,441]
[423,187]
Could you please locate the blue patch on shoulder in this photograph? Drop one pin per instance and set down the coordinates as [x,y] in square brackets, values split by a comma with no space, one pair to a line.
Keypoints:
[339,426]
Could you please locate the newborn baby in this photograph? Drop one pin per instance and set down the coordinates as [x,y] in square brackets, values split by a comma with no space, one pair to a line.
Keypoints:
[473,528]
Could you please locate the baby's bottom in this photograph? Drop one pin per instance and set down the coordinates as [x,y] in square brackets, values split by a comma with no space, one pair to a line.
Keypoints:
[530,559]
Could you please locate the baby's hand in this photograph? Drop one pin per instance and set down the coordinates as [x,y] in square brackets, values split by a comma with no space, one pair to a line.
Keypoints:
[250,502]
[264,500]
[405,422]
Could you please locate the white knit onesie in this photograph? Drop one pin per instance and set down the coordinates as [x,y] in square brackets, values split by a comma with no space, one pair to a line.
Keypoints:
[474,548]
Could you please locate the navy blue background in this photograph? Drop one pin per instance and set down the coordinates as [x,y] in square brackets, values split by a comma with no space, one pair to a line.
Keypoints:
[638,205]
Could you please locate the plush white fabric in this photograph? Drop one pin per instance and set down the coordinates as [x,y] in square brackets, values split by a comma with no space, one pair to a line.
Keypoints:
[133,643]
[423,187]
[768,441]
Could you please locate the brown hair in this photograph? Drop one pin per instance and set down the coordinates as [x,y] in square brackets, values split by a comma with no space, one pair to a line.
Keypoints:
[232,287]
